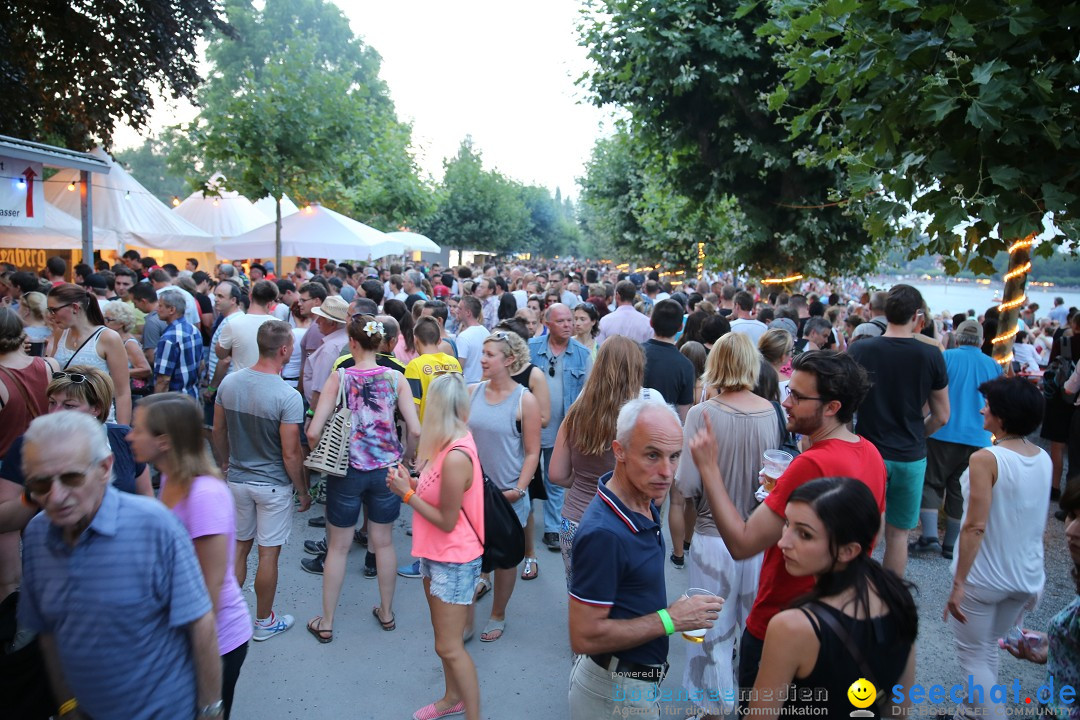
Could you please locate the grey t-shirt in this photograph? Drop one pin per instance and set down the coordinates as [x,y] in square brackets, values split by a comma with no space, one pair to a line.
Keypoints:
[555,389]
[152,329]
[256,404]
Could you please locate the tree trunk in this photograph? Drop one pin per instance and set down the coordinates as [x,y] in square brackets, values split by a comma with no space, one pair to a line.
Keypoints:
[1012,298]
[277,239]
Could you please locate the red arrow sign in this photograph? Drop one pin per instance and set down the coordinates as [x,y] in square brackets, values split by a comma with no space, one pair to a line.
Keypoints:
[29,174]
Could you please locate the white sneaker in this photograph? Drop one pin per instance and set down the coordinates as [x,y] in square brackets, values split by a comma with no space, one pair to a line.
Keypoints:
[278,624]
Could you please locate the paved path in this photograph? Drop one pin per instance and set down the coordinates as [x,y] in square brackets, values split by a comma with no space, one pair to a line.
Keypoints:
[368,673]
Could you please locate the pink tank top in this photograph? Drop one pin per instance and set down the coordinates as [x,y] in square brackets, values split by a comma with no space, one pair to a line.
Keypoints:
[463,543]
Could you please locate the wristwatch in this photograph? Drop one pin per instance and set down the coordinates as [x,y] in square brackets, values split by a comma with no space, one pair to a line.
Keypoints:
[520,492]
[212,710]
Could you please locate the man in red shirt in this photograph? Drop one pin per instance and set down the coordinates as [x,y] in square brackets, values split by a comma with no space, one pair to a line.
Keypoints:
[825,391]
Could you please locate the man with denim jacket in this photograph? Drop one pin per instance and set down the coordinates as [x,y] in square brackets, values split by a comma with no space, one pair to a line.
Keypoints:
[566,364]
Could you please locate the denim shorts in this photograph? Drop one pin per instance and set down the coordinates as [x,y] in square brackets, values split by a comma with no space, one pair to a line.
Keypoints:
[344,496]
[453,583]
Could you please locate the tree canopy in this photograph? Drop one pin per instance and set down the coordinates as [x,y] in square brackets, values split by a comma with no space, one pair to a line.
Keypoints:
[70,71]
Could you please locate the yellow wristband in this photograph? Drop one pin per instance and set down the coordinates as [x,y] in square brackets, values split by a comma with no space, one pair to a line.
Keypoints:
[68,706]
[669,626]
[408,496]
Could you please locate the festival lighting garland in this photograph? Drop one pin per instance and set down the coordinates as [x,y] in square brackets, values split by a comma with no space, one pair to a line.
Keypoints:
[701,259]
[1006,305]
[782,281]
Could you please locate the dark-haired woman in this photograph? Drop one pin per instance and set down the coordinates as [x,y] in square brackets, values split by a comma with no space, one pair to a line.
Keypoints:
[191,486]
[998,568]
[405,349]
[587,326]
[856,608]
[84,340]
[1059,647]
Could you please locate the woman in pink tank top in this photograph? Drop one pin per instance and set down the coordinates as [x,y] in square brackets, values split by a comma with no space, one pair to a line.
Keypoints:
[448,536]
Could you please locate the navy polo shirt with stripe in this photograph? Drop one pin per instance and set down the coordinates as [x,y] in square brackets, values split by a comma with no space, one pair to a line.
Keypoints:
[618,562]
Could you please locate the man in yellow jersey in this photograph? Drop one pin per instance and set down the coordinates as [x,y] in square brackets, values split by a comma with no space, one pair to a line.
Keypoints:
[431,362]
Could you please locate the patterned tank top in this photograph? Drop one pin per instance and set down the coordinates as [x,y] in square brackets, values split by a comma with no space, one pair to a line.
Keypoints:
[372,396]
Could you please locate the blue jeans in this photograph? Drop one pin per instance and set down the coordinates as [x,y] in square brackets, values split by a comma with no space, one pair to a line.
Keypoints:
[553,505]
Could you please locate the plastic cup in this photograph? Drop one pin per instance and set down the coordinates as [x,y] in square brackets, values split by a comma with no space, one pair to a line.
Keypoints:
[697,636]
[773,465]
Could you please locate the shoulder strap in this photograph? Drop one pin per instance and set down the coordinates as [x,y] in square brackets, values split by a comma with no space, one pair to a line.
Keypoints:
[18,383]
[341,396]
[79,349]
[826,617]
[1066,348]
[780,419]
[475,459]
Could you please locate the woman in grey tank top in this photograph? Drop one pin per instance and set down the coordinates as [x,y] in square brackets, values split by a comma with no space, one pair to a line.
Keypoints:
[505,420]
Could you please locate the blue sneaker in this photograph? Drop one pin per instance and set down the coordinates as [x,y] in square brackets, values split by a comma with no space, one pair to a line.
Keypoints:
[278,624]
[412,570]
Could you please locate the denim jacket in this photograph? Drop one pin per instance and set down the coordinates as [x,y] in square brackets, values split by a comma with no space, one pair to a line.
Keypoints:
[577,362]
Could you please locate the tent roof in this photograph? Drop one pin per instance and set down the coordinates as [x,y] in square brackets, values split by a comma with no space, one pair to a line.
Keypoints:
[313,232]
[225,215]
[266,207]
[124,206]
[415,241]
[60,232]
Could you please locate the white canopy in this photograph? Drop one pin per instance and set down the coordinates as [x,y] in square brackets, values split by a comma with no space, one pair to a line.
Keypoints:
[124,206]
[415,241]
[315,231]
[225,215]
[266,207]
[60,232]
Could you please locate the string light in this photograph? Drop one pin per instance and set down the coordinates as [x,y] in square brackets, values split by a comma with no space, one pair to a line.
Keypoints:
[127,195]
[1017,273]
[782,281]
[216,202]
[21,183]
[71,186]
[701,259]
[175,201]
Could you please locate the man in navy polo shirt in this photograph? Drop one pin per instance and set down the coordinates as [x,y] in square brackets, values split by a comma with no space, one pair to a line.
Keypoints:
[619,619]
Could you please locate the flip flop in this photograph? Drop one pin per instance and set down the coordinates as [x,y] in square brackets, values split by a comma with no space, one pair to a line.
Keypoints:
[323,636]
[498,626]
[482,589]
[387,625]
[531,569]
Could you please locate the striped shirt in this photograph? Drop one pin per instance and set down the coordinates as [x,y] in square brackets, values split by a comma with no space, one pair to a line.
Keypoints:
[118,605]
[179,352]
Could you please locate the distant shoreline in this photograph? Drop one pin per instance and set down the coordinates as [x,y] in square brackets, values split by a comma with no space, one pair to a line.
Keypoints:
[966,282]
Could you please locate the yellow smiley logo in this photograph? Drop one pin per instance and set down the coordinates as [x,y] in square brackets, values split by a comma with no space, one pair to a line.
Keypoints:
[862,693]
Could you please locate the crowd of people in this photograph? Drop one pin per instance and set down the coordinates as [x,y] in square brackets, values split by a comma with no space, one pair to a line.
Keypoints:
[157,424]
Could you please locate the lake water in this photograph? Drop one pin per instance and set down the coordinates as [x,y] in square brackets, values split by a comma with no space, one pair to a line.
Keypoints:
[959,297]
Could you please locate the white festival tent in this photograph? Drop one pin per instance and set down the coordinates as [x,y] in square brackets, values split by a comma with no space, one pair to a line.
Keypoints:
[225,215]
[315,231]
[60,232]
[125,207]
[266,207]
[415,241]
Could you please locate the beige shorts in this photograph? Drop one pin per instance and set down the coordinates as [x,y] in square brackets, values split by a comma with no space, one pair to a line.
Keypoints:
[263,512]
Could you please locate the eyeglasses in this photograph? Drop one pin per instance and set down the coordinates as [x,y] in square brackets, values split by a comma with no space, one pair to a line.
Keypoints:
[77,378]
[41,486]
[798,397]
[58,308]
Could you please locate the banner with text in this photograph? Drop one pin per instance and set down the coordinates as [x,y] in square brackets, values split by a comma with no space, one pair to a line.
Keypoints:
[22,193]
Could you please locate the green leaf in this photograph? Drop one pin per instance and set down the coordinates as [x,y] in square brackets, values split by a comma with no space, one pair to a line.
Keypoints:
[978,118]
[981,74]
[1006,176]
[777,98]
[745,9]
[1057,199]
[982,266]
[941,106]
[960,28]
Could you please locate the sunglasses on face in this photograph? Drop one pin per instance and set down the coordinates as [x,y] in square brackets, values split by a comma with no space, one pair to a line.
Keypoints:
[77,378]
[41,486]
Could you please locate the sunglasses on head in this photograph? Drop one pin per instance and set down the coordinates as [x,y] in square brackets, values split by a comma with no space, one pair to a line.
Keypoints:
[77,378]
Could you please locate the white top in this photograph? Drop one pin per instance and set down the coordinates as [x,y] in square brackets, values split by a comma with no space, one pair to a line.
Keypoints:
[754,328]
[1011,555]
[470,345]
[241,335]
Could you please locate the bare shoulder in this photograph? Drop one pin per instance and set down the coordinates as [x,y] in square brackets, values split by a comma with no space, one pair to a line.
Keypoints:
[792,626]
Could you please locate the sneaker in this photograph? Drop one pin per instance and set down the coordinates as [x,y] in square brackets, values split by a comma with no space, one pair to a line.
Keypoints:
[370,570]
[360,538]
[318,522]
[678,561]
[924,545]
[551,540]
[313,565]
[278,624]
[412,570]
[315,547]
[946,551]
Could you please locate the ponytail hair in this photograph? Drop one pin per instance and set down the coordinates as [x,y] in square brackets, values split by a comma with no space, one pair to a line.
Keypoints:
[850,514]
[69,293]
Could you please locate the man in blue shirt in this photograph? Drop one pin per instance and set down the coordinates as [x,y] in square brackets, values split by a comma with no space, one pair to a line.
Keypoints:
[112,586]
[619,619]
[948,450]
[179,351]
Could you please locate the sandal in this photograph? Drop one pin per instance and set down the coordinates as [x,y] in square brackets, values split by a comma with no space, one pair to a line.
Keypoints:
[492,626]
[482,589]
[386,625]
[531,569]
[315,628]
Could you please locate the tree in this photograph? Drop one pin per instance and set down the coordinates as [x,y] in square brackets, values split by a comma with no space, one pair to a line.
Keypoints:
[962,115]
[69,71]
[478,208]
[149,163]
[693,77]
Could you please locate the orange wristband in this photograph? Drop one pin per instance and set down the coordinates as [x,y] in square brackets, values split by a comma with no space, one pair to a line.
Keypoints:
[408,496]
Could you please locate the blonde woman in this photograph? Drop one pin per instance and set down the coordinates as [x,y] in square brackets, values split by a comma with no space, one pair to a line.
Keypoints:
[776,346]
[120,316]
[744,426]
[32,312]
[448,536]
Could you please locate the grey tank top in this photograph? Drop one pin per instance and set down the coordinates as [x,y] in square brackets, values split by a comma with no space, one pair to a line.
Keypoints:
[498,436]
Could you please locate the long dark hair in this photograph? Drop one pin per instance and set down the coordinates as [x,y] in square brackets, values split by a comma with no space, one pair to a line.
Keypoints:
[397,310]
[1070,503]
[850,515]
[69,293]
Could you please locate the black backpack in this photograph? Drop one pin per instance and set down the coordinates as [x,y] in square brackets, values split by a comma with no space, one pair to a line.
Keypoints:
[787,440]
[1058,371]
[504,538]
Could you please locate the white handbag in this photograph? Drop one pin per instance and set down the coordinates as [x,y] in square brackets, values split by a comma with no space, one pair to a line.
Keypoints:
[331,455]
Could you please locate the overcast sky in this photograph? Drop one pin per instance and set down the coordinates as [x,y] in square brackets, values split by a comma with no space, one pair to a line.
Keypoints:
[502,72]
